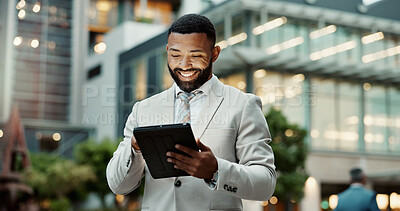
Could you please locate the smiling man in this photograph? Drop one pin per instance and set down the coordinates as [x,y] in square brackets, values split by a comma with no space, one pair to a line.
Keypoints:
[234,161]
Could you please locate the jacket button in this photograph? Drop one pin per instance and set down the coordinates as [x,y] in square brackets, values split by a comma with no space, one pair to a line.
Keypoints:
[178,183]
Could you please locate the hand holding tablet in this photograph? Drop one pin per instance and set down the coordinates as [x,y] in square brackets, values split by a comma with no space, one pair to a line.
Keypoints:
[155,141]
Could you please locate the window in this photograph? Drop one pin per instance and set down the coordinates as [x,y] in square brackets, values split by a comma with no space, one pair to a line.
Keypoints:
[394,120]
[220,33]
[324,132]
[140,79]
[281,92]
[294,108]
[348,113]
[375,119]
[94,72]
[48,144]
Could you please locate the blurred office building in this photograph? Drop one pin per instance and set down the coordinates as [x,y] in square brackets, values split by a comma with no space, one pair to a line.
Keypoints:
[333,67]
[46,48]
[37,65]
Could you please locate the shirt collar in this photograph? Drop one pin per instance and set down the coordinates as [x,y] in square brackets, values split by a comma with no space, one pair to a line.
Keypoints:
[356,185]
[205,88]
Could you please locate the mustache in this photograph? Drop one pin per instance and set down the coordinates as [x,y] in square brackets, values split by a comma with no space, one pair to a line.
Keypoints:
[187,70]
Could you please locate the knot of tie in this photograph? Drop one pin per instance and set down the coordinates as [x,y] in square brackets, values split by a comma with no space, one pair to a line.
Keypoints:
[186,97]
[184,109]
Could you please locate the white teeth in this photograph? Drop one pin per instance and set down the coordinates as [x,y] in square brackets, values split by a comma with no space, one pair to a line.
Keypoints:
[187,74]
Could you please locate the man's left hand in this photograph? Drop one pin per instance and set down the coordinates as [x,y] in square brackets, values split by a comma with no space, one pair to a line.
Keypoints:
[201,164]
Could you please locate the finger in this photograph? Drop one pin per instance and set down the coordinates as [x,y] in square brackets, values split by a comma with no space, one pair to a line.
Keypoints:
[187,150]
[134,143]
[201,146]
[179,157]
[182,166]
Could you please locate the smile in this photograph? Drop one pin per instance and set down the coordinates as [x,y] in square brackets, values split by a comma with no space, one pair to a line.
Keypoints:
[187,74]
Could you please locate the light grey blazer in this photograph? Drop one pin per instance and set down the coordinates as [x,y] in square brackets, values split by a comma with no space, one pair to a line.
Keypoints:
[232,124]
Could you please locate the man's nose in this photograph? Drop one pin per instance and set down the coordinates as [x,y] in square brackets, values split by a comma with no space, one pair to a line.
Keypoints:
[185,63]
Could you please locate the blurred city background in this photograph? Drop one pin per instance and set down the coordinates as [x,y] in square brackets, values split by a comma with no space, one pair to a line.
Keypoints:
[70,71]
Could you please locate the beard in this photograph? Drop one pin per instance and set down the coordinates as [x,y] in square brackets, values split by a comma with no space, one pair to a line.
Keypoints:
[188,86]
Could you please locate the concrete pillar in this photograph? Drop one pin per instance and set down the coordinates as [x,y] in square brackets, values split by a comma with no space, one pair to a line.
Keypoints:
[80,41]
[7,60]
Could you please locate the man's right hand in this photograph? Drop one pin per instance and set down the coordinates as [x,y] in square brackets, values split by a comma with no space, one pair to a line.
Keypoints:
[135,144]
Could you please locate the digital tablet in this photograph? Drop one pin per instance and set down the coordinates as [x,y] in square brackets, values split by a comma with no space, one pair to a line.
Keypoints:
[156,141]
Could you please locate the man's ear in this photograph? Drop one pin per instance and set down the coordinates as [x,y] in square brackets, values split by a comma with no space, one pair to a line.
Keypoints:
[215,53]
[167,47]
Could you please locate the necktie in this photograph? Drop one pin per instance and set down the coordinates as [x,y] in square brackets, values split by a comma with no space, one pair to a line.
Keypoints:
[184,107]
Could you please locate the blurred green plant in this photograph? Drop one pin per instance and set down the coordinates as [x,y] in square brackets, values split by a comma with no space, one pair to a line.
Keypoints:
[97,155]
[60,204]
[55,181]
[290,152]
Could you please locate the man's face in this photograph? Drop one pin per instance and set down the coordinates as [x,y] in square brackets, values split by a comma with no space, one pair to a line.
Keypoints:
[190,58]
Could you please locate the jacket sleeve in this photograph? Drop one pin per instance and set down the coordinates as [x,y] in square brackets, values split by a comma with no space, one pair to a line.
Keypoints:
[253,177]
[126,168]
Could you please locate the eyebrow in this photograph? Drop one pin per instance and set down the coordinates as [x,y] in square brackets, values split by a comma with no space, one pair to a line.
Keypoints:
[192,51]
[173,49]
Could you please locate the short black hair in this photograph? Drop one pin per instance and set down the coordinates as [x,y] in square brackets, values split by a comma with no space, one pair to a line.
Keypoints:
[357,175]
[194,23]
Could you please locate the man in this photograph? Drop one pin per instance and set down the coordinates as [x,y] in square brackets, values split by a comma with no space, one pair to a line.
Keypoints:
[356,197]
[234,162]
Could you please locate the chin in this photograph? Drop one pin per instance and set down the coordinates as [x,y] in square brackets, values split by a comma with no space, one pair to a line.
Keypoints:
[201,76]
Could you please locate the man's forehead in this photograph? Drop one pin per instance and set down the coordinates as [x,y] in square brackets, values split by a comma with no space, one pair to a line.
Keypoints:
[197,40]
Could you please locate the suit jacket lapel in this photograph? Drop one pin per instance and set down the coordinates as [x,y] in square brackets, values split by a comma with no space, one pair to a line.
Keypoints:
[207,113]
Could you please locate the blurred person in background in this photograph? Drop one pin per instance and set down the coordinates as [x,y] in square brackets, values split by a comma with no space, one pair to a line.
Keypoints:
[357,197]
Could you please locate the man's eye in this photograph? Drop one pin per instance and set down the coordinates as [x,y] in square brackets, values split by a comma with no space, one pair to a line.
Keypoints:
[196,55]
[175,55]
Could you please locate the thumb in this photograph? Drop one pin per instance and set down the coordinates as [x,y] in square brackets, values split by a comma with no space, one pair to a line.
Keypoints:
[201,146]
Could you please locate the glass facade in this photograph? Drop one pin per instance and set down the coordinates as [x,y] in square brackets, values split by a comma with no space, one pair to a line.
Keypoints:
[323,126]
[394,119]
[139,78]
[282,91]
[375,119]
[348,113]
[354,117]
[43,55]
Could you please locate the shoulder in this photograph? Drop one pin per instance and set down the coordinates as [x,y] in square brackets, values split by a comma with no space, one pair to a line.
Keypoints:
[360,191]
[344,192]
[370,192]
[366,192]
